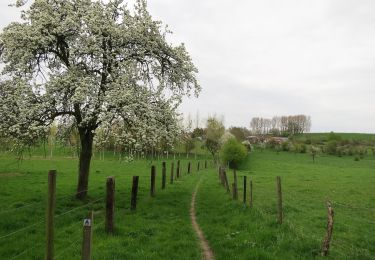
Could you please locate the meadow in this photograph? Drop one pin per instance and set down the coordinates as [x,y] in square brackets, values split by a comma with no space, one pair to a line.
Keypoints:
[160,228]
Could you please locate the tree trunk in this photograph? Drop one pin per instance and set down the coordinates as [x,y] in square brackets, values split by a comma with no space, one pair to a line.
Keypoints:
[87,138]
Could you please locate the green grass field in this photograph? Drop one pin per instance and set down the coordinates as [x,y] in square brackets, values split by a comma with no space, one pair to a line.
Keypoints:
[344,136]
[160,228]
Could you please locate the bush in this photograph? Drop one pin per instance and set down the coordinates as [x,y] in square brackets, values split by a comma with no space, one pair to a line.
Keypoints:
[331,147]
[233,152]
[334,137]
[285,146]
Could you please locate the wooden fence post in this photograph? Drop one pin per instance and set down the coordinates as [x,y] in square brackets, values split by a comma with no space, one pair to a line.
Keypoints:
[328,236]
[87,237]
[172,172]
[189,167]
[51,204]
[279,200]
[133,202]
[251,194]
[235,192]
[110,205]
[153,175]
[198,166]
[226,180]
[178,169]
[164,176]
[244,189]
[222,179]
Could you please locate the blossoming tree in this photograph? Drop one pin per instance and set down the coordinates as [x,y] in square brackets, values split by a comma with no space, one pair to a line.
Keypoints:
[93,61]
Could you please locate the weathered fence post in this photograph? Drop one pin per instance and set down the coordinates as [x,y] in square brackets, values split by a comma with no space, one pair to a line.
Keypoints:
[133,202]
[87,237]
[279,200]
[235,190]
[178,169]
[251,194]
[222,179]
[110,205]
[172,172]
[226,180]
[328,236]
[164,176]
[244,189]
[51,204]
[153,175]
[189,167]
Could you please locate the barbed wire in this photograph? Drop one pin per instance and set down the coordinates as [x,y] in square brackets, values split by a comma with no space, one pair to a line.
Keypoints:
[18,208]
[24,252]
[76,208]
[66,248]
[42,221]
[22,229]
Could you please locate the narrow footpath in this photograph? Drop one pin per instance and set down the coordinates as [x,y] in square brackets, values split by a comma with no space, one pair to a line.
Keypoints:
[207,253]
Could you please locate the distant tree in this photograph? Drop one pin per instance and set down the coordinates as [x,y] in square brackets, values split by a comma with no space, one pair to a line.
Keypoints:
[239,132]
[189,144]
[198,133]
[214,131]
[94,61]
[233,152]
[314,151]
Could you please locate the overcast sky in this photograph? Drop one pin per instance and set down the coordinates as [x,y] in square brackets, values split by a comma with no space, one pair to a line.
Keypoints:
[272,57]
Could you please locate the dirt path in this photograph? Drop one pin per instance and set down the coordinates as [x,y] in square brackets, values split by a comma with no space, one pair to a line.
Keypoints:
[207,252]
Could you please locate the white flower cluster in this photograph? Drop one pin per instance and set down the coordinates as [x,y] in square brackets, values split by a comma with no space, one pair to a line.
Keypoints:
[107,67]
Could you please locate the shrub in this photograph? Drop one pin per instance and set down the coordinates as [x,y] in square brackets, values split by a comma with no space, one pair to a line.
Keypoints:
[303,148]
[331,147]
[334,137]
[285,146]
[233,152]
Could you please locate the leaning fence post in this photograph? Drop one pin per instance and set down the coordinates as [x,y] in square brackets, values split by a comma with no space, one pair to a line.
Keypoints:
[164,176]
[251,194]
[51,203]
[244,189]
[328,235]
[153,175]
[110,205]
[87,237]
[133,203]
[279,200]
[172,172]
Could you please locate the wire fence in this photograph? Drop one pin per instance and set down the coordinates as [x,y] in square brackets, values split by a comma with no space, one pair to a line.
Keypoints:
[291,201]
[74,231]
